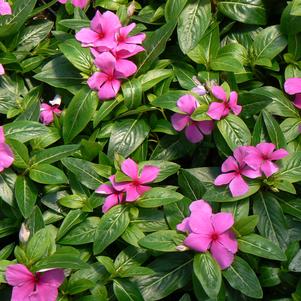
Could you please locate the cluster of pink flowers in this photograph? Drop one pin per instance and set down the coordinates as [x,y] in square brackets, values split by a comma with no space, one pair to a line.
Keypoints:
[47,111]
[28,286]
[111,46]
[6,154]
[209,231]
[5,9]
[251,162]
[129,191]
[77,3]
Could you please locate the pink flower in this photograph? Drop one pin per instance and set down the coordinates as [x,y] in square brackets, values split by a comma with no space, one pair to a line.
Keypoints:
[194,130]
[107,82]
[236,167]
[292,86]
[136,187]
[218,110]
[2,71]
[77,3]
[115,197]
[102,33]
[208,231]
[5,8]
[30,287]
[48,111]
[6,155]
[261,157]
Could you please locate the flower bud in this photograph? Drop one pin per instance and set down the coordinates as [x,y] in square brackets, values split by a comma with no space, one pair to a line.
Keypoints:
[131,9]
[182,248]
[24,233]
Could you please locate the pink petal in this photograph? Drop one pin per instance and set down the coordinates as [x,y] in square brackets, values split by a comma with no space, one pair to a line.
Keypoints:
[197,242]
[224,179]
[278,154]
[219,93]
[148,174]
[251,173]
[193,134]
[141,189]
[63,1]
[269,168]
[127,50]
[110,22]
[297,101]
[80,3]
[22,292]
[230,164]
[238,186]
[110,201]
[187,104]
[201,207]
[44,292]
[97,80]
[131,193]
[2,136]
[206,126]
[5,8]
[137,39]
[239,154]
[87,36]
[183,226]
[222,222]
[223,257]
[179,121]
[236,109]
[228,240]
[200,223]
[2,71]
[52,278]
[18,274]
[254,158]
[292,85]
[130,168]
[124,31]
[6,155]
[109,89]
[266,148]
[125,67]
[46,117]
[217,110]
[106,62]
[105,189]
[96,22]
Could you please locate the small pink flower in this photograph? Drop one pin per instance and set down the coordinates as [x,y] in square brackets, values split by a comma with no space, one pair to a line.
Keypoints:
[2,71]
[194,130]
[107,82]
[114,197]
[261,157]
[218,110]
[48,111]
[77,3]
[136,187]
[5,8]
[102,33]
[209,231]
[29,287]
[234,168]
[292,86]
[6,155]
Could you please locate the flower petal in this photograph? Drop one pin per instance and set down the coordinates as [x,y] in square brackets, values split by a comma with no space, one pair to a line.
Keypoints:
[125,67]
[223,257]
[224,179]
[2,71]
[200,223]
[266,148]
[130,168]
[97,80]
[206,126]
[187,104]
[193,133]
[131,193]
[22,292]
[44,292]
[18,274]
[106,62]
[141,189]
[5,8]
[179,121]
[46,117]
[148,174]
[293,85]
[230,164]
[80,3]
[200,206]
[53,277]
[184,225]
[216,110]
[228,240]
[109,89]
[278,154]
[2,136]
[238,186]
[222,222]
[297,101]
[269,168]
[251,173]
[6,155]
[197,242]
[219,93]
[105,189]
[110,201]
[87,36]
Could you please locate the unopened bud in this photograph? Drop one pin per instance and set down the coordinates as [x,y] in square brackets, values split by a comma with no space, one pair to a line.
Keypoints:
[182,248]
[56,100]
[131,9]
[24,233]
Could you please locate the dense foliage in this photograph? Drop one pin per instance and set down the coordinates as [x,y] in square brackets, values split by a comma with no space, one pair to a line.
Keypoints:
[156,161]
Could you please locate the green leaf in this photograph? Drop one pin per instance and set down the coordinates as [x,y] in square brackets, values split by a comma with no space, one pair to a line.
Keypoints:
[153,77]
[75,24]
[184,73]
[7,184]
[176,212]
[26,195]
[241,277]
[246,224]
[192,24]
[290,128]
[163,240]
[274,130]
[290,168]
[111,226]
[20,153]
[269,43]
[272,224]
[79,112]
[84,172]
[78,56]
[245,11]
[126,136]
[296,8]
[125,290]
[132,92]
[260,246]
[158,196]
[234,131]
[24,130]
[208,273]
[169,100]
[173,9]
[295,264]
[47,174]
